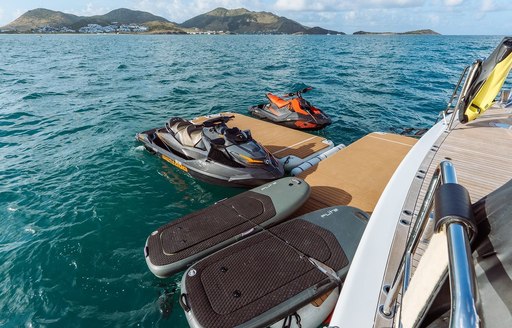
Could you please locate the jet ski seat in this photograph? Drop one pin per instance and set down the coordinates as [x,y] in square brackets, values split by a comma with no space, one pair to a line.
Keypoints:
[297,106]
[187,133]
[235,135]
[279,102]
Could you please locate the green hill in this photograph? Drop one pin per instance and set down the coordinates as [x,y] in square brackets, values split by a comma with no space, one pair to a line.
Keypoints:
[127,16]
[250,22]
[41,17]
[220,19]
[159,27]
[33,19]
[319,30]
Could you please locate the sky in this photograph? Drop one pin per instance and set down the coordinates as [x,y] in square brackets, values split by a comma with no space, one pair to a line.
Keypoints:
[460,17]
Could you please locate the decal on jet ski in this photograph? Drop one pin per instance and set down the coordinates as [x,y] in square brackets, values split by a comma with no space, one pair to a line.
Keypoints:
[175,163]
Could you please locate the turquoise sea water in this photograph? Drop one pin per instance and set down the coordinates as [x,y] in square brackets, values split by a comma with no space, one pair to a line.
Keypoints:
[78,194]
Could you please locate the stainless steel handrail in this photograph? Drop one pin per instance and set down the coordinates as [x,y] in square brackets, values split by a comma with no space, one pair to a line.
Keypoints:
[463,287]
[402,279]
[473,70]
[454,94]
[461,271]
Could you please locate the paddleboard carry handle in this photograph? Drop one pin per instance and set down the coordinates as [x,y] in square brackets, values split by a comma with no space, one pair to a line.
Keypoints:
[184,302]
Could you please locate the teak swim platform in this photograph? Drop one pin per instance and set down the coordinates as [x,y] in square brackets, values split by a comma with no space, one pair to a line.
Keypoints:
[354,176]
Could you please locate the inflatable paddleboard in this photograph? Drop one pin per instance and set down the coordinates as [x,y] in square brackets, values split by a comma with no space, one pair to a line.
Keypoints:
[174,246]
[288,274]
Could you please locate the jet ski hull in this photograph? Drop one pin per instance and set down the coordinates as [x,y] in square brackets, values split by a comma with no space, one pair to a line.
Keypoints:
[290,119]
[205,169]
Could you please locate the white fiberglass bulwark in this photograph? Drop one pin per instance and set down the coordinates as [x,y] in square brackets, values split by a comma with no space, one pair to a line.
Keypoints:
[358,302]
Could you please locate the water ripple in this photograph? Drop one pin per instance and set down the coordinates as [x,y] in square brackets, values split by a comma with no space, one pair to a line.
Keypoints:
[79,195]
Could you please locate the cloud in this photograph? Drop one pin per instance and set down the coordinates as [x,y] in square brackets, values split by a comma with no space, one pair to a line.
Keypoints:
[394,3]
[495,5]
[452,3]
[90,9]
[302,5]
[489,5]
[350,16]
[336,5]
[434,19]
[376,20]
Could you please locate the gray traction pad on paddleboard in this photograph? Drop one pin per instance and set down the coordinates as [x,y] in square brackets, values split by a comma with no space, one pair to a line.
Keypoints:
[201,230]
[256,275]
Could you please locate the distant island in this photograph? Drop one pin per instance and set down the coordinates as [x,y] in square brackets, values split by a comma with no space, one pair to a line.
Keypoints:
[217,21]
[416,32]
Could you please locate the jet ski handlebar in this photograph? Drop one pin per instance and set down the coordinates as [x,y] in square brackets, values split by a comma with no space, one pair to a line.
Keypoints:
[298,93]
[217,120]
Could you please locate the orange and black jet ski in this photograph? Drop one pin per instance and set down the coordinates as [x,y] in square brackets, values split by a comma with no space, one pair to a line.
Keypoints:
[294,112]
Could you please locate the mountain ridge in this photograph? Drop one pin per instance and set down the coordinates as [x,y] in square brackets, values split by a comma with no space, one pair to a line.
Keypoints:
[237,21]
[242,20]
[40,17]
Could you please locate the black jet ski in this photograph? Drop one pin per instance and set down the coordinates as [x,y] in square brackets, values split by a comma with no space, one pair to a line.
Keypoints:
[295,112]
[212,152]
